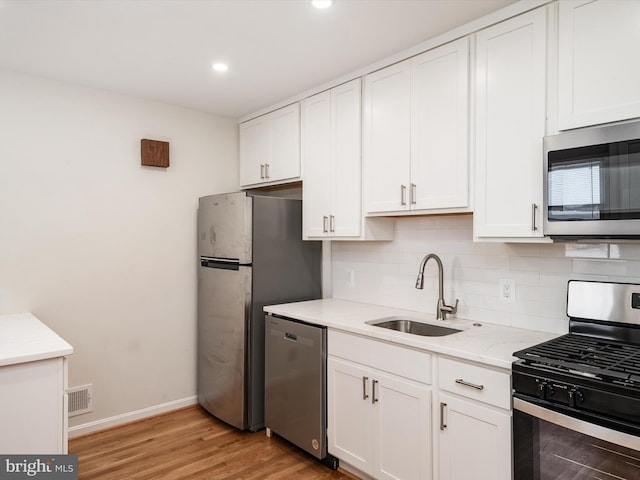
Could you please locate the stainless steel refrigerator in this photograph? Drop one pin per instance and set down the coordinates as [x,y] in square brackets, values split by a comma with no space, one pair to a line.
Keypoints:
[251,254]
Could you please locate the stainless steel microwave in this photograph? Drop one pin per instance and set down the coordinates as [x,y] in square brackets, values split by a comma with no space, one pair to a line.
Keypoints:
[592,183]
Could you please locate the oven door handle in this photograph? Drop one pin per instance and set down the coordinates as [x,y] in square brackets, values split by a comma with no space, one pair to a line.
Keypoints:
[577,425]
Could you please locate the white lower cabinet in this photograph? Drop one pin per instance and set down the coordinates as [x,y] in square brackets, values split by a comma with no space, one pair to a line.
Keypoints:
[386,420]
[350,428]
[34,407]
[379,423]
[474,441]
[474,419]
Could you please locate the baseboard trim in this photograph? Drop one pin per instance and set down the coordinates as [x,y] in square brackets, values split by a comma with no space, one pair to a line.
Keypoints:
[116,420]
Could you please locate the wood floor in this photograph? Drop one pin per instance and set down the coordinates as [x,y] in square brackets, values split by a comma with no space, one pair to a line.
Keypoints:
[191,444]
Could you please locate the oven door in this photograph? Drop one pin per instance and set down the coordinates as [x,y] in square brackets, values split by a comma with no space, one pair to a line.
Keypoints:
[550,446]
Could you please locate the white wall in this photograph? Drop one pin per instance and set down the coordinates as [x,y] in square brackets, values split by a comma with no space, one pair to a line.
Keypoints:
[385,272]
[102,249]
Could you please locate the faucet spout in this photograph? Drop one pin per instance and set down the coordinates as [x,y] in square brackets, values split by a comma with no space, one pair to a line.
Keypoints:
[442,308]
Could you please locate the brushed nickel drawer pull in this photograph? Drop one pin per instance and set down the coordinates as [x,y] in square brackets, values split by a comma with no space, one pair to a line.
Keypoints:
[365,395]
[442,424]
[374,399]
[460,381]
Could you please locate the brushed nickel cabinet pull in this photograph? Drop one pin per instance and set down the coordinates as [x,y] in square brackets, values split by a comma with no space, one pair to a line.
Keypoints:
[332,223]
[325,219]
[460,381]
[266,170]
[534,207]
[403,195]
[412,194]
[442,424]
[365,395]
[262,170]
[374,399]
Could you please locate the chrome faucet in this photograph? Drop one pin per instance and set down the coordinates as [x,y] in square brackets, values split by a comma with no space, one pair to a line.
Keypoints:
[442,309]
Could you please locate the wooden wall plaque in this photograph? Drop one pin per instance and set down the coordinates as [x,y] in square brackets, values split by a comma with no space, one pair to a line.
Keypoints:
[154,153]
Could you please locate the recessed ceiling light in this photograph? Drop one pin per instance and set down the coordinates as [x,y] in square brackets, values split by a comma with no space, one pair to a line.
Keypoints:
[220,67]
[321,3]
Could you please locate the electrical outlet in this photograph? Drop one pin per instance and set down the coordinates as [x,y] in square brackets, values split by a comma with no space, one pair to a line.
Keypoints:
[351,278]
[507,290]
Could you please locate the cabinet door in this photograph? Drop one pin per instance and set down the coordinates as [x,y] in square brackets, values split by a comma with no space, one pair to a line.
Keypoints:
[346,134]
[403,412]
[284,144]
[599,75]
[510,124]
[475,441]
[316,164]
[33,418]
[386,137]
[440,127]
[270,147]
[350,428]
[254,150]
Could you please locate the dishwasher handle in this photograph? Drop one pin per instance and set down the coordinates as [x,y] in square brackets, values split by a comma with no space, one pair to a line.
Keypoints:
[290,336]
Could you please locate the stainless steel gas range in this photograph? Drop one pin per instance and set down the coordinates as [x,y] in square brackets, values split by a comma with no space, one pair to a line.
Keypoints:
[577,397]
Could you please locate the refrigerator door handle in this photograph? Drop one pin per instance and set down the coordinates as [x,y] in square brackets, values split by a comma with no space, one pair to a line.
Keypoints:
[221,263]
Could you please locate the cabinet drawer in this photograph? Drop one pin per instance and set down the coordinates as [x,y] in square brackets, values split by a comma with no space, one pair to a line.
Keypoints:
[403,361]
[476,382]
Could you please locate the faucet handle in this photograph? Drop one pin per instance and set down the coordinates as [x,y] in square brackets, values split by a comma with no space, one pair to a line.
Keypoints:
[449,308]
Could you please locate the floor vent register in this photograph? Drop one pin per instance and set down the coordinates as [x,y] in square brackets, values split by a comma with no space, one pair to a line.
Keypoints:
[80,400]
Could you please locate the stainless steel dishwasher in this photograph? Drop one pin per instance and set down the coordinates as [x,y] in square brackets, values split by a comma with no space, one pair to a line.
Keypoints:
[296,385]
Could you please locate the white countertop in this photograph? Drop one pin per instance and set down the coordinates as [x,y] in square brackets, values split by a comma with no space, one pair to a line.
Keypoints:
[488,344]
[24,338]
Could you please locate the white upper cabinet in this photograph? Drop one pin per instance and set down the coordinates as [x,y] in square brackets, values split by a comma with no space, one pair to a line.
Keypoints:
[599,72]
[270,148]
[416,131]
[317,165]
[331,159]
[387,138]
[510,88]
[440,127]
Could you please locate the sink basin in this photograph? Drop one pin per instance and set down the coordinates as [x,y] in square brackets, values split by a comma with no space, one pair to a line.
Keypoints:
[414,327]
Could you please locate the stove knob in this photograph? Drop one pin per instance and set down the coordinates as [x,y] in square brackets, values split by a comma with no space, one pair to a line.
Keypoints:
[550,390]
[542,390]
[574,396]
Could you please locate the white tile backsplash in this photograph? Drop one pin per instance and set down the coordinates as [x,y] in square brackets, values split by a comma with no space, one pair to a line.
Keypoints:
[385,272]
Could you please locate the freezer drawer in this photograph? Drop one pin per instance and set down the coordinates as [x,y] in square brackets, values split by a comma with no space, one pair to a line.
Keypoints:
[295,383]
[224,227]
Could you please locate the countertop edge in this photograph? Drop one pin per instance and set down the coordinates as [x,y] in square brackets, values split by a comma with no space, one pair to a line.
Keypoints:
[492,346]
[24,338]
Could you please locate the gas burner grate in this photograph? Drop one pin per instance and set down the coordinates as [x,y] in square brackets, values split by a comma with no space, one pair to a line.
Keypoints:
[617,362]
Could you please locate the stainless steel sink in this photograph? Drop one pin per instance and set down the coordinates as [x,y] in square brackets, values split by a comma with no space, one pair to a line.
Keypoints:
[414,327]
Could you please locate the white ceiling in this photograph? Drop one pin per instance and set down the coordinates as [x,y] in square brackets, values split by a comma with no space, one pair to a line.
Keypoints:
[163,49]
